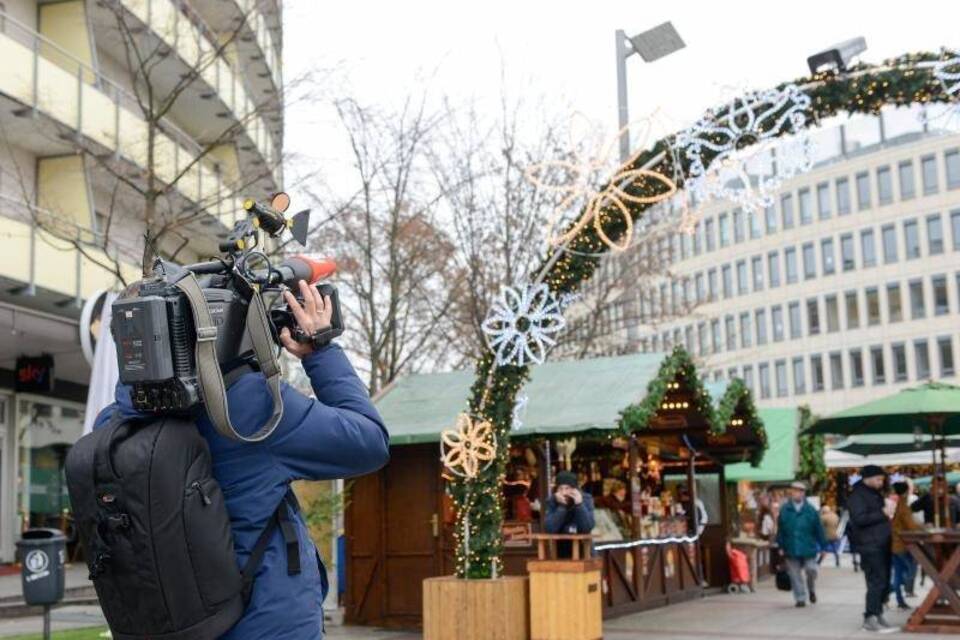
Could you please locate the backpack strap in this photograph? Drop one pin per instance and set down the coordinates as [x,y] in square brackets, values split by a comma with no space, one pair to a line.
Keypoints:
[212,386]
[280,518]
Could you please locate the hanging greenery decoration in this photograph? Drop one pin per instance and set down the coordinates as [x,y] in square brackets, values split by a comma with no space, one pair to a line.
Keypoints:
[812,467]
[736,404]
[866,88]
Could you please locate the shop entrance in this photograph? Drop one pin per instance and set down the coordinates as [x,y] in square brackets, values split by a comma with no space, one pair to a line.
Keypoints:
[393,520]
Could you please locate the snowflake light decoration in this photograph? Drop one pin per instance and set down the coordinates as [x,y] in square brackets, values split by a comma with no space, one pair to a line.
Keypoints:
[468,448]
[721,164]
[520,410]
[576,182]
[521,324]
[948,73]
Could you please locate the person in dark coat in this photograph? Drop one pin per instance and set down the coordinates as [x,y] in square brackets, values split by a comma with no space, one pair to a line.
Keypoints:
[801,539]
[569,510]
[871,532]
[338,435]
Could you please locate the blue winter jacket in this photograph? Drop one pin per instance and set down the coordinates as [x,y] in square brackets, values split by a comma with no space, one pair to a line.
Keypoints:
[338,435]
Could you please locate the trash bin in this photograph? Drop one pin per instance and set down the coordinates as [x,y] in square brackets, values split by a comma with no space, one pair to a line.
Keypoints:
[42,553]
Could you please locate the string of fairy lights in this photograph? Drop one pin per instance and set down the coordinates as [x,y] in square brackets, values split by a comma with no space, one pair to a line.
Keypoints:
[606,223]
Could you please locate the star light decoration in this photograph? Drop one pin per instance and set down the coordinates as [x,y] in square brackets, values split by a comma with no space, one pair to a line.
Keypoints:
[521,324]
[468,448]
[948,72]
[597,189]
[730,148]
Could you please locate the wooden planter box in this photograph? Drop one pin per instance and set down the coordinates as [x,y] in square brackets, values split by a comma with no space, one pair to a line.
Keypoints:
[455,609]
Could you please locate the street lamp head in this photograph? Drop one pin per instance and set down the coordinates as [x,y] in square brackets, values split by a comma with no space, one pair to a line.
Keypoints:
[657,42]
[837,57]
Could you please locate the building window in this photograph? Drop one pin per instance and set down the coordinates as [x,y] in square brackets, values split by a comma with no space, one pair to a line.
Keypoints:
[917,307]
[760,319]
[955,228]
[776,317]
[702,338]
[813,316]
[716,343]
[780,367]
[712,285]
[809,262]
[697,239]
[873,306]
[911,239]
[889,234]
[799,382]
[952,162]
[763,372]
[755,229]
[928,168]
[853,310]
[731,327]
[723,224]
[826,252]
[746,337]
[836,370]
[907,187]
[756,264]
[868,248]
[894,303]
[701,288]
[863,191]
[816,373]
[773,266]
[941,303]
[884,186]
[843,196]
[796,323]
[934,235]
[899,353]
[805,204]
[748,377]
[846,252]
[786,210]
[945,352]
[832,312]
[790,262]
[727,279]
[688,338]
[856,368]
[921,353]
[739,232]
[770,213]
[876,365]
[743,282]
[711,240]
[823,200]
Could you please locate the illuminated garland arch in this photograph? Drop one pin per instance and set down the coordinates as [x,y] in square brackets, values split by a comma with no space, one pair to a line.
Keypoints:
[737,402]
[865,89]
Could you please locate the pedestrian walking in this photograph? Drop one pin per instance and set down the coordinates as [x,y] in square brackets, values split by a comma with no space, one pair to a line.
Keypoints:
[871,533]
[831,529]
[903,562]
[800,538]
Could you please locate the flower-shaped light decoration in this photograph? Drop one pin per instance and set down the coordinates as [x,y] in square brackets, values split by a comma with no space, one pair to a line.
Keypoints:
[597,190]
[947,71]
[468,448]
[736,151]
[521,324]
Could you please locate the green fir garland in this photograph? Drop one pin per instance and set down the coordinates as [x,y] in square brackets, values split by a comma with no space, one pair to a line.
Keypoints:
[812,467]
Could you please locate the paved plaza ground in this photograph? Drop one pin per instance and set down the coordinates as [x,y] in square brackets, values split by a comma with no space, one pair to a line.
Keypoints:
[765,615]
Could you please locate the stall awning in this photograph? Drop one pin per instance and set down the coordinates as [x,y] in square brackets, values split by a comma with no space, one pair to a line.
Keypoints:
[562,397]
[780,460]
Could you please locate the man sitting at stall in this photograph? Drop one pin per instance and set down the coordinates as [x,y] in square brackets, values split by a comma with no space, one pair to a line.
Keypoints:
[569,510]
[800,537]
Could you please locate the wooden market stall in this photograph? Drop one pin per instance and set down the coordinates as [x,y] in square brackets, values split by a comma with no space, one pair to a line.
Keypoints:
[640,431]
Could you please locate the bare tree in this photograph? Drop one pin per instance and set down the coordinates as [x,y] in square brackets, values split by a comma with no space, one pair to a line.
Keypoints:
[396,262]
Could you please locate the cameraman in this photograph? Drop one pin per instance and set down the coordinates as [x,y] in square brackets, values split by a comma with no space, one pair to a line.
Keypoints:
[338,435]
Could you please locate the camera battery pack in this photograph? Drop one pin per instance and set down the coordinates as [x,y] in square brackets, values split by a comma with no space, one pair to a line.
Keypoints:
[142,334]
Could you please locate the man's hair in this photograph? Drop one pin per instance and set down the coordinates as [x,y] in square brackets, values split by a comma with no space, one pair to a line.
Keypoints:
[900,488]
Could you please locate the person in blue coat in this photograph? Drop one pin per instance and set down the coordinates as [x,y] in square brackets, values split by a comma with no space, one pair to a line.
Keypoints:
[337,435]
[801,540]
[569,510]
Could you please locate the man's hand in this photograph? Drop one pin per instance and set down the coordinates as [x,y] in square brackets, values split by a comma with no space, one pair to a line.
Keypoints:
[576,495]
[313,315]
[561,497]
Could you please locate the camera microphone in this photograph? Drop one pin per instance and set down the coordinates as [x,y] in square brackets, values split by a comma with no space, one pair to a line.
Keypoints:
[296,268]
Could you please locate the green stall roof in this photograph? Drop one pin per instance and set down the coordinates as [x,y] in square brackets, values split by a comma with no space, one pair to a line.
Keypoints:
[563,397]
[780,460]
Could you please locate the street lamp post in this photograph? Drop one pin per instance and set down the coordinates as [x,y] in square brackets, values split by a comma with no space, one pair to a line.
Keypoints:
[651,45]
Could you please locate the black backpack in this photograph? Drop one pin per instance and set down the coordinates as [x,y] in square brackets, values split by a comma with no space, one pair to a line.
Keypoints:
[155,529]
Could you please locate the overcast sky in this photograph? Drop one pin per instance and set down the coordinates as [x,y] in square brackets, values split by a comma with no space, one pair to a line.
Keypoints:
[386,49]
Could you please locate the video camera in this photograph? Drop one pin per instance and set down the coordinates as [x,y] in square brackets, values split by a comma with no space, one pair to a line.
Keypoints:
[160,342]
